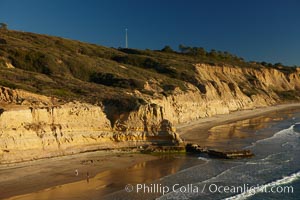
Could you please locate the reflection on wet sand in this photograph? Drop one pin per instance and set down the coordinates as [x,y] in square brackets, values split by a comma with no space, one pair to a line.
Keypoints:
[236,130]
[235,135]
[113,180]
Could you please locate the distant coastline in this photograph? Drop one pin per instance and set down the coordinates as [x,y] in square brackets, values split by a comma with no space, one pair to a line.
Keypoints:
[205,124]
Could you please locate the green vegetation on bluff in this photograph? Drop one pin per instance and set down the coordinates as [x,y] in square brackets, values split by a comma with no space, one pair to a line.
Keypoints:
[75,70]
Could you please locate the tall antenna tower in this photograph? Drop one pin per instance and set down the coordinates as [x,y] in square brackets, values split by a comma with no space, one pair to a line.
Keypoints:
[126,38]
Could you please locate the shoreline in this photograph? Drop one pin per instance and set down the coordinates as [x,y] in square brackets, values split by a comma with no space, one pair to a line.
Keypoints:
[61,169]
[204,124]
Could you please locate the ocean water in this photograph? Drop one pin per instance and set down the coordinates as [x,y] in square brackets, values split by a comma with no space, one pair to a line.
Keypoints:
[274,173]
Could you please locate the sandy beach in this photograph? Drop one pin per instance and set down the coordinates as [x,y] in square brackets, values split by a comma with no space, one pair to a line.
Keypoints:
[204,124]
[42,178]
[27,177]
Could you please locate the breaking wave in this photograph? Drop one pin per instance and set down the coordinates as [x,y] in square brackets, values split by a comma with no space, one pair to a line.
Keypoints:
[283,181]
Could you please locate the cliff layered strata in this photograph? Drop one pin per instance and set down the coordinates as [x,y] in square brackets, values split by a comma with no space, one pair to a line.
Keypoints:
[34,126]
[223,89]
[40,129]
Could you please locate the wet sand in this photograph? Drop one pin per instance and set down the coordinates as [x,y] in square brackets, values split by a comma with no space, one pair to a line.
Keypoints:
[110,181]
[199,131]
[110,171]
[28,177]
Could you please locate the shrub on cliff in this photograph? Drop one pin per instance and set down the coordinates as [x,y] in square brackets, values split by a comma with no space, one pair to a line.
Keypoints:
[3,26]
[167,49]
[113,80]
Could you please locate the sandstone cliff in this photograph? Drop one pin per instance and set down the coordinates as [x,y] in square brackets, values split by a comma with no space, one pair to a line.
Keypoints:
[222,89]
[35,126]
[32,127]
[60,96]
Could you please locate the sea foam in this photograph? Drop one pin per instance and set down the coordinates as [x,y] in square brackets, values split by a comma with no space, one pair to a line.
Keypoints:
[283,181]
[280,134]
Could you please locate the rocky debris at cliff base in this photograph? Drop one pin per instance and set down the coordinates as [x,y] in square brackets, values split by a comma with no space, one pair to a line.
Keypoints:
[163,149]
[228,154]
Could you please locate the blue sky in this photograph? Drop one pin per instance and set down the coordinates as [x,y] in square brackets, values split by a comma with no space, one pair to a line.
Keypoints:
[265,30]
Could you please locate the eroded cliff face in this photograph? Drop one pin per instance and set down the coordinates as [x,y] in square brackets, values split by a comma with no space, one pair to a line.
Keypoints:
[34,126]
[220,90]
